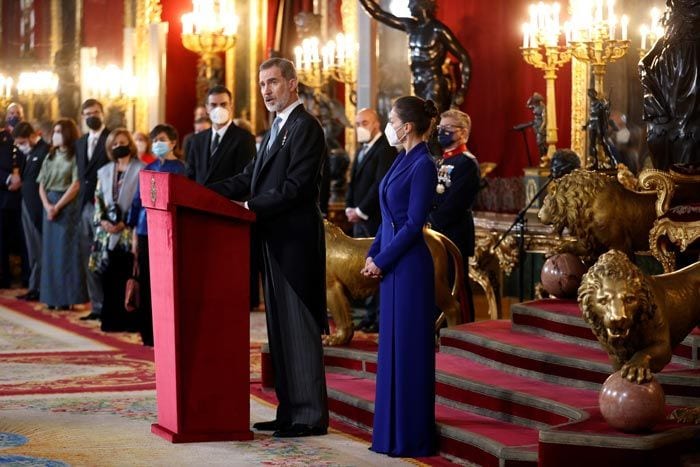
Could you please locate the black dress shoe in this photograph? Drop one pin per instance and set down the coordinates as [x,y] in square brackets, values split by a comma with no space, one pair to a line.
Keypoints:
[30,296]
[299,430]
[90,317]
[272,425]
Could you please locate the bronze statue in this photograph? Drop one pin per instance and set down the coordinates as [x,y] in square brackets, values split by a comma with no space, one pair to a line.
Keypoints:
[670,75]
[536,104]
[600,212]
[345,257]
[639,319]
[429,41]
[597,125]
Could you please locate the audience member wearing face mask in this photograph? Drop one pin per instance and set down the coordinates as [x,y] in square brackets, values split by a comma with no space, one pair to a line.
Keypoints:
[34,149]
[112,257]
[62,270]
[163,144]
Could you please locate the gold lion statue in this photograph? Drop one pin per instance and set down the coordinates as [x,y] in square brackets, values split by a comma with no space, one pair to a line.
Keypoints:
[639,319]
[600,212]
[345,257]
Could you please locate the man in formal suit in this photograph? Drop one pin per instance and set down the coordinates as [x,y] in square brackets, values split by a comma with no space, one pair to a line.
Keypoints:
[223,151]
[91,154]
[372,161]
[281,186]
[34,150]
[11,236]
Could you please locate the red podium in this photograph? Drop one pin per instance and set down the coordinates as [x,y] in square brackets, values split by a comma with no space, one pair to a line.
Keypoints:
[199,246]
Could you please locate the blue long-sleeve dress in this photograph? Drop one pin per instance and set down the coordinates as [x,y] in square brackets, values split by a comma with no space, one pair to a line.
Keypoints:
[404,406]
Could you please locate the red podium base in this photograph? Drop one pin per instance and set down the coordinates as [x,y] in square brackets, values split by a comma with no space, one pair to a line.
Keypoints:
[200,437]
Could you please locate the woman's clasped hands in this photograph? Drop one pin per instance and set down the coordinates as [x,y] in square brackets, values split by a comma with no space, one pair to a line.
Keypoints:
[371,269]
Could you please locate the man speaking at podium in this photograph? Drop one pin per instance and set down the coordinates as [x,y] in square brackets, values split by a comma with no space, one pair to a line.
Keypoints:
[281,186]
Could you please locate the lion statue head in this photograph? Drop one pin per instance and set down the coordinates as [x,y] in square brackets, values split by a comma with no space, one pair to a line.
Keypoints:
[617,302]
[569,204]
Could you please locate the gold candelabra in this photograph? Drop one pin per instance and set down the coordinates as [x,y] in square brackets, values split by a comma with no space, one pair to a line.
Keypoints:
[650,33]
[208,30]
[336,60]
[542,50]
[592,36]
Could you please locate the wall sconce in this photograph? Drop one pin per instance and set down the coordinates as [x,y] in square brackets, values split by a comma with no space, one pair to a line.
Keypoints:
[209,29]
[110,83]
[37,85]
[6,84]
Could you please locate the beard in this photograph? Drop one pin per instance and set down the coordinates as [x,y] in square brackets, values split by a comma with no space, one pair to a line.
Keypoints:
[279,103]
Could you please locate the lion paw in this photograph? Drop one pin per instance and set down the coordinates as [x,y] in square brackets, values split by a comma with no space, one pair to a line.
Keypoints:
[636,373]
[337,338]
[686,415]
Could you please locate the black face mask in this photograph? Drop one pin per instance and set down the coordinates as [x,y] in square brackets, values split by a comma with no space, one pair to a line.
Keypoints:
[94,123]
[121,151]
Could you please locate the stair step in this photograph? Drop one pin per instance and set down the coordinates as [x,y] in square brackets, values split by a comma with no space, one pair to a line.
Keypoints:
[464,435]
[496,344]
[561,320]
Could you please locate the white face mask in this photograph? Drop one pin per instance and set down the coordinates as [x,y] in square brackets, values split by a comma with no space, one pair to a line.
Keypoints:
[622,136]
[363,134]
[57,140]
[219,115]
[391,135]
[24,148]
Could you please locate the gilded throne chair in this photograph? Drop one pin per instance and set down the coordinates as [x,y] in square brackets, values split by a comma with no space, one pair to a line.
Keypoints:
[677,227]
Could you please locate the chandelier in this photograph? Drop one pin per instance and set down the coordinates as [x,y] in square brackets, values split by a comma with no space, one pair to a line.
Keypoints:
[209,29]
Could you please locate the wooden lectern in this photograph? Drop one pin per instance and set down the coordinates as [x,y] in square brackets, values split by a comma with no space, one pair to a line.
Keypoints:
[199,244]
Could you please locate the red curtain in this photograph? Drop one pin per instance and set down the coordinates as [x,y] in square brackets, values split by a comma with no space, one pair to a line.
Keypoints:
[501,81]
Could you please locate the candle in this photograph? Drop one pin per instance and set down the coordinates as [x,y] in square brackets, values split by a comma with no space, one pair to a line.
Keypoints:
[599,11]
[624,22]
[611,27]
[611,9]
[644,30]
[297,57]
[526,35]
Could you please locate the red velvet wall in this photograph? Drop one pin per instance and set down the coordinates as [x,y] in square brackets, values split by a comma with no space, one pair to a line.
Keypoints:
[501,81]
[103,27]
[181,70]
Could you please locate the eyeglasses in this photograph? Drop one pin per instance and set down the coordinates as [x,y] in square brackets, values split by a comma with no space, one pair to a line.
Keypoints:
[449,127]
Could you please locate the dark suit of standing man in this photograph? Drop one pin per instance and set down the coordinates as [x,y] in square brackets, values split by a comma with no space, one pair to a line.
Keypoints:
[34,150]
[372,161]
[282,184]
[11,236]
[91,154]
[223,151]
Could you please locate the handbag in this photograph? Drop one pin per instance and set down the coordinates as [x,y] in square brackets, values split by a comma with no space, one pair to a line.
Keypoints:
[132,293]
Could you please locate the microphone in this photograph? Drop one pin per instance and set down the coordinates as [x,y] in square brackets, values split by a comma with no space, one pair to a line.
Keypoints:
[522,126]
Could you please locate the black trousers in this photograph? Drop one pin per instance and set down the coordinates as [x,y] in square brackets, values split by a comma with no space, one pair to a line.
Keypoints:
[145,312]
[114,316]
[12,241]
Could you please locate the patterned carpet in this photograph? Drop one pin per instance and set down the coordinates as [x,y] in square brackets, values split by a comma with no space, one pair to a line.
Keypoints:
[72,395]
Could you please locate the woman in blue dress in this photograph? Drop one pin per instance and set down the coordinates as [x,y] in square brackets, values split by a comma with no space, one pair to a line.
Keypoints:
[164,140]
[404,406]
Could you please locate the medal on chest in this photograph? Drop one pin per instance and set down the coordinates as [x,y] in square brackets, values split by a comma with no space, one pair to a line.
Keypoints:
[444,178]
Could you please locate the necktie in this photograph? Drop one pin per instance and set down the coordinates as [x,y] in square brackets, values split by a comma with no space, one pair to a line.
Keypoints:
[273,131]
[363,152]
[215,143]
[92,142]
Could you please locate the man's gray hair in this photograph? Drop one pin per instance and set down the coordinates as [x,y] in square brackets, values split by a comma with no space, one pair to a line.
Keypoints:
[286,67]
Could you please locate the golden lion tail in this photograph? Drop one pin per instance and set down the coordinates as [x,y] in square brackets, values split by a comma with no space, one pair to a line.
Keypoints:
[458,289]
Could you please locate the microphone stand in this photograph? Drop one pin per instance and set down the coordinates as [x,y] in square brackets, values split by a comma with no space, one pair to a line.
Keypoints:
[521,221]
[527,147]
